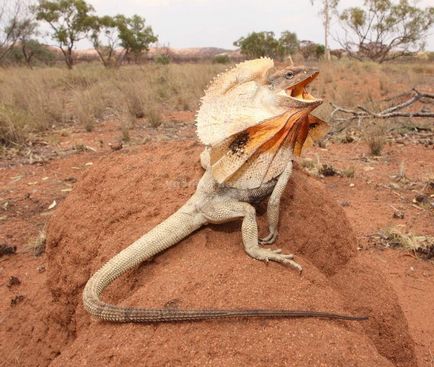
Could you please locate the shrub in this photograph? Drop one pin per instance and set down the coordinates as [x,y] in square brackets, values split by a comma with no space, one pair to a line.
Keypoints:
[162,60]
[221,59]
[375,137]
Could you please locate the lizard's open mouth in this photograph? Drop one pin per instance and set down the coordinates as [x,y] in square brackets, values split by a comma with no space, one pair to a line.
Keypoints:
[299,92]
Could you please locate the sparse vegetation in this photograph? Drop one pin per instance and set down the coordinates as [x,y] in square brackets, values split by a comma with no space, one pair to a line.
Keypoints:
[154,117]
[37,246]
[383,30]
[36,100]
[375,137]
[45,98]
[162,59]
[69,20]
[394,237]
[311,50]
[221,59]
[259,44]
[348,172]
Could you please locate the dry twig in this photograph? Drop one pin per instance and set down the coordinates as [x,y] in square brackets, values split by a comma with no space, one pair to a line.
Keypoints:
[395,111]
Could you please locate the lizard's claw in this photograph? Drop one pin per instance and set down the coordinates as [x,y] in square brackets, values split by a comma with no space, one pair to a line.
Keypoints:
[264,254]
[269,239]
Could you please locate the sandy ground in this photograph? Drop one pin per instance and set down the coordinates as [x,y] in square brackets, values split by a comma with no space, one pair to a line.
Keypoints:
[42,321]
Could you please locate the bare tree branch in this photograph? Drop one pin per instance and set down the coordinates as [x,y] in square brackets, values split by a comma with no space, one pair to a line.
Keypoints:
[347,114]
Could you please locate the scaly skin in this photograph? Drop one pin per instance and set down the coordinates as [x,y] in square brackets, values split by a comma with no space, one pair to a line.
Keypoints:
[212,202]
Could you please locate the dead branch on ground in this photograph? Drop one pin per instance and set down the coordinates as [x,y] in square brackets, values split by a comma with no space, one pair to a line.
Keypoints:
[395,111]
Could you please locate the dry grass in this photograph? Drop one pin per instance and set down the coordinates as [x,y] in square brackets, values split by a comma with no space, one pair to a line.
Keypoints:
[375,136]
[396,238]
[316,168]
[348,172]
[311,165]
[349,83]
[37,245]
[32,101]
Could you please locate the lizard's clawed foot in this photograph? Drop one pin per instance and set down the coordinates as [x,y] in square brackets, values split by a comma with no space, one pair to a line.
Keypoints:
[268,240]
[264,254]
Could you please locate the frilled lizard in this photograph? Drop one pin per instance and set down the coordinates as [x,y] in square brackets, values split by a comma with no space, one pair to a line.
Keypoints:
[252,119]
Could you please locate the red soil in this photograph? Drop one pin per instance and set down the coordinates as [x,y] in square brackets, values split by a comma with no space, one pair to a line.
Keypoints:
[128,192]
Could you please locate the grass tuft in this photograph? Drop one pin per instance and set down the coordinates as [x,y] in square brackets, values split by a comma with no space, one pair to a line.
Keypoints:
[375,136]
[396,238]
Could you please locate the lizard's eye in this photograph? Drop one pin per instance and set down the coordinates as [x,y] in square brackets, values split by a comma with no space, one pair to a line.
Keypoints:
[289,75]
[313,126]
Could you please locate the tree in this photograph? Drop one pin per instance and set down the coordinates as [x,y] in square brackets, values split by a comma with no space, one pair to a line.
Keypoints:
[288,43]
[33,52]
[328,7]
[11,14]
[311,50]
[134,35]
[384,29]
[70,21]
[105,39]
[27,29]
[260,44]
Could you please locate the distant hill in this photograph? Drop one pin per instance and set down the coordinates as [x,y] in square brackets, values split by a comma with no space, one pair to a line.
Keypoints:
[181,54]
[197,52]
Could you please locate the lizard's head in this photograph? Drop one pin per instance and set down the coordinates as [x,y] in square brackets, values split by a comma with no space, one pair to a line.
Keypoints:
[291,83]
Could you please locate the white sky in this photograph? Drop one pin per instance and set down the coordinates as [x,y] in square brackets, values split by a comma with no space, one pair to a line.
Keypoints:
[218,23]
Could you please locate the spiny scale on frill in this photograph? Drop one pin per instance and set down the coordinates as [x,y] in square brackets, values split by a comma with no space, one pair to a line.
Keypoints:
[228,105]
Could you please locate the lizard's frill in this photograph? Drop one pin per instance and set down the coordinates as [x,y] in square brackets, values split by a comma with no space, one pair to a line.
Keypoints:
[230,104]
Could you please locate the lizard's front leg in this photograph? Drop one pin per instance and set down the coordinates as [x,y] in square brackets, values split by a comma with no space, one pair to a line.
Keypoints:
[273,208]
[224,210]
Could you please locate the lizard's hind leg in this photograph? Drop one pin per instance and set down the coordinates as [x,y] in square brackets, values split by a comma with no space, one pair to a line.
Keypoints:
[226,210]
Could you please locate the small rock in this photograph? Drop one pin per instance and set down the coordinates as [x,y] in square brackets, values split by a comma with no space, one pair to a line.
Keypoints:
[394,185]
[347,139]
[52,205]
[327,170]
[398,215]
[7,250]
[344,203]
[117,146]
[352,185]
[322,144]
[13,281]
[421,199]
[40,268]
[71,179]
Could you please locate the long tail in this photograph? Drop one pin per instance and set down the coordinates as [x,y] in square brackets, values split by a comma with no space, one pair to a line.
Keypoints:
[168,233]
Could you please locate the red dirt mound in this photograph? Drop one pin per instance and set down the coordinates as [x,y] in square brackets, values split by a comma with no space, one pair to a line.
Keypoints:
[125,195]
